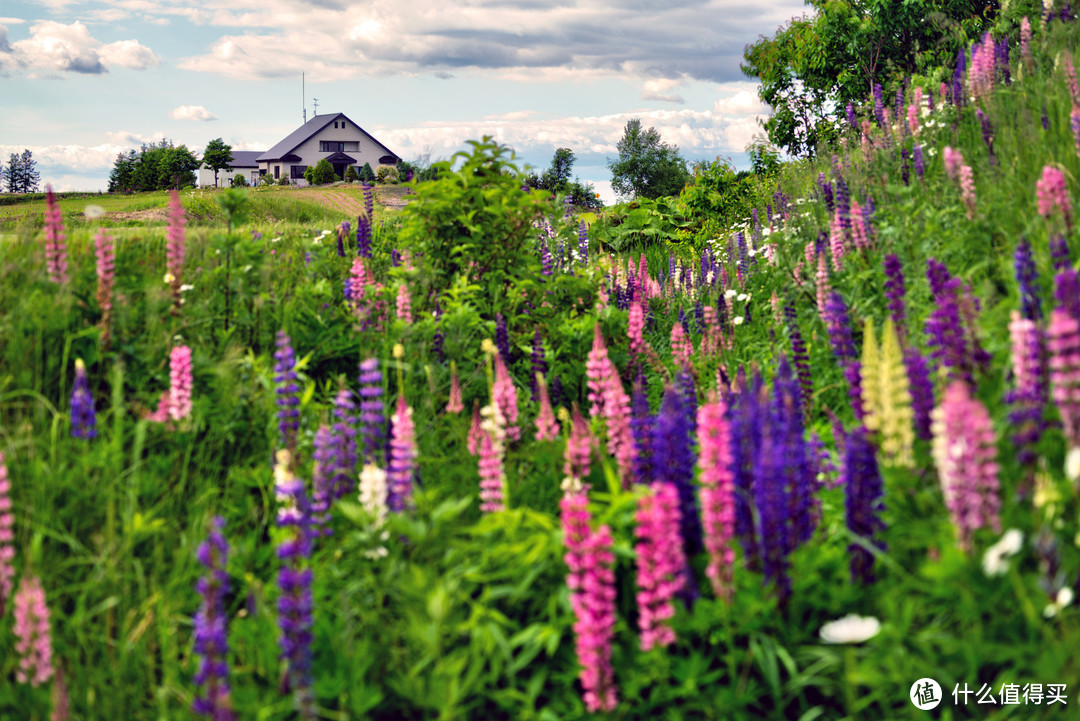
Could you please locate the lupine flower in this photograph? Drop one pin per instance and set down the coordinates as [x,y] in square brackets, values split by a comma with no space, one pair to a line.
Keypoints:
[371,411]
[1025,43]
[1053,193]
[357,282]
[863,502]
[800,355]
[913,118]
[822,285]
[852,121]
[344,444]
[917,160]
[492,477]
[287,392]
[1029,392]
[673,462]
[591,580]
[322,480]
[617,416]
[342,234]
[860,227]
[1045,118]
[987,133]
[105,250]
[502,338]
[180,383]
[33,634]
[547,428]
[597,369]
[836,243]
[1063,343]
[944,327]
[953,160]
[504,394]
[1067,291]
[402,462]
[682,348]
[958,79]
[641,425]
[546,260]
[967,189]
[372,493]
[538,364]
[7,537]
[879,106]
[981,73]
[922,391]
[886,399]
[635,329]
[966,457]
[363,235]
[475,431]
[576,457]
[905,175]
[583,243]
[83,415]
[176,246]
[404,305]
[1027,278]
[454,404]
[294,580]
[660,564]
[211,642]
[717,496]
[56,257]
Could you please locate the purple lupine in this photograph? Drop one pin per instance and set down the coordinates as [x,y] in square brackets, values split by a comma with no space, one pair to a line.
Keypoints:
[921,388]
[395,258]
[437,341]
[673,462]
[947,340]
[1029,393]
[838,325]
[742,268]
[898,103]
[211,642]
[83,415]
[843,202]
[800,354]
[322,480]
[1028,279]
[545,259]
[917,160]
[372,423]
[688,392]
[987,133]
[287,391]
[894,291]
[343,462]
[905,174]
[369,198]
[1045,118]
[342,234]
[502,338]
[699,317]
[1067,292]
[863,503]
[958,78]
[879,106]
[641,426]
[852,120]
[770,498]
[1001,59]
[1059,253]
[363,236]
[826,192]
[538,364]
[295,604]
[583,242]
[745,416]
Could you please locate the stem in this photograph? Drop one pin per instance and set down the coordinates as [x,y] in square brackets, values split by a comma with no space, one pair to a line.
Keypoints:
[228,264]
[849,681]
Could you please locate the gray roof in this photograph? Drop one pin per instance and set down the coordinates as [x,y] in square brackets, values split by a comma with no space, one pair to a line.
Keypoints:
[297,137]
[245,158]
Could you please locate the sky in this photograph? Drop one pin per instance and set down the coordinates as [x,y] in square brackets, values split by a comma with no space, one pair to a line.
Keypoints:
[83,80]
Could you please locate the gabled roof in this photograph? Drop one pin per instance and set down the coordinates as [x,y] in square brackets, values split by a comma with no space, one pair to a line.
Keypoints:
[305,132]
[245,158]
[340,157]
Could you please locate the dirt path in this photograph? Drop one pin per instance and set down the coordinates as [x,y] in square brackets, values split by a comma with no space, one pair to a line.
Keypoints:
[336,199]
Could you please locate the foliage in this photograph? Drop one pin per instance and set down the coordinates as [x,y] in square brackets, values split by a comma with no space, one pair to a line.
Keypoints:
[157,166]
[20,175]
[217,156]
[367,174]
[386,174]
[350,175]
[238,181]
[646,167]
[815,65]
[321,173]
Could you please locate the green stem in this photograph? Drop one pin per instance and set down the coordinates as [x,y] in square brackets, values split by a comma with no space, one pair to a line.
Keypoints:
[850,680]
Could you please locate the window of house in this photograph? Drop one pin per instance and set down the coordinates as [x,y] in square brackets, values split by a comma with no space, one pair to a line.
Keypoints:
[335,123]
[277,172]
[262,171]
[298,171]
[331,146]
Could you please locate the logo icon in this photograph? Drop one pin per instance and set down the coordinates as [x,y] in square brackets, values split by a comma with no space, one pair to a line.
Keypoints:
[925,694]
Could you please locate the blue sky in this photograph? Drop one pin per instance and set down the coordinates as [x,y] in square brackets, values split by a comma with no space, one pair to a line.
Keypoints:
[83,80]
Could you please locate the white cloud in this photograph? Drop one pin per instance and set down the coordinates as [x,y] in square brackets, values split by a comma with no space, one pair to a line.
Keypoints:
[660,89]
[55,48]
[191,112]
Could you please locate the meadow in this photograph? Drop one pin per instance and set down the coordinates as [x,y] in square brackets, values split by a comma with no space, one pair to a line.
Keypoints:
[469,460]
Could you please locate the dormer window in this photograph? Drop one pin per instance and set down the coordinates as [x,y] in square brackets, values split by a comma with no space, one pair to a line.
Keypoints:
[335,123]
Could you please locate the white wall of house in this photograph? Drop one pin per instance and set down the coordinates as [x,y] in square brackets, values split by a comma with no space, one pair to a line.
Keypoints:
[206,176]
[356,144]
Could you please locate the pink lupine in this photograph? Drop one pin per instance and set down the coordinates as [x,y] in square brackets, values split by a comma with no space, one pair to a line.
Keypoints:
[359,279]
[56,257]
[1027,373]
[713,340]
[404,305]
[33,634]
[504,395]
[476,433]
[717,495]
[635,328]
[981,71]
[180,383]
[953,160]
[7,539]
[660,563]
[858,226]
[943,89]
[965,453]
[1063,344]
[597,369]
[578,447]
[810,253]
[402,457]
[836,242]
[913,118]
[1025,43]
[822,281]
[491,477]
[967,189]
[640,280]
[1074,121]
[547,428]
[620,437]
[682,348]
[105,251]
[1053,193]
[1070,75]
[176,247]
[454,404]
[591,581]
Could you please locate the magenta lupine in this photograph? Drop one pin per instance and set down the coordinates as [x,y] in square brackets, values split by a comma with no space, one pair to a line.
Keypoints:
[913,118]
[455,404]
[620,438]
[967,189]
[836,242]
[33,634]
[504,395]
[105,251]
[635,328]
[1025,43]
[180,383]
[953,160]
[981,71]
[176,247]
[56,257]
[597,369]
[547,428]
[1053,193]
[7,539]
[717,496]
[965,453]
[476,433]
[211,642]
[491,477]
[822,281]
[358,280]
[404,305]
[1029,392]
[402,457]
[660,563]
[1063,344]
[591,581]
[578,452]
[1070,76]
[682,348]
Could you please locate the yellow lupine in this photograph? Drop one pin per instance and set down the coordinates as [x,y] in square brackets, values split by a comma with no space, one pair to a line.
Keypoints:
[886,397]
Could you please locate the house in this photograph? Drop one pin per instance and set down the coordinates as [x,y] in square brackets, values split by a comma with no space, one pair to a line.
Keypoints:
[333,137]
[244,162]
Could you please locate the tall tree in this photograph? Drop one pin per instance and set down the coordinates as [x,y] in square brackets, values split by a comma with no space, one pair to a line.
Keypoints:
[217,156]
[10,176]
[178,166]
[557,176]
[30,178]
[646,167]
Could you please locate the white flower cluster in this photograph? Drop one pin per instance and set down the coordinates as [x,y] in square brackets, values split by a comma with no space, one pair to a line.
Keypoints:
[373,492]
[850,629]
[1011,543]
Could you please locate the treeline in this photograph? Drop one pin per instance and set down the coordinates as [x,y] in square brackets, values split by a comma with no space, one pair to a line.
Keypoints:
[20,175]
[157,166]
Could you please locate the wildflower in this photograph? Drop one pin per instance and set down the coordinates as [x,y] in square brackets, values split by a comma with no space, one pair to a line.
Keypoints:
[454,404]
[617,417]
[967,189]
[83,415]
[538,364]
[1064,597]
[591,580]
[673,462]
[799,354]
[864,491]
[1029,393]
[56,257]
[850,629]
[1011,543]
[492,477]
[738,320]
[502,337]
[373,492]
[966,457]
[635,329]
[404,306]
[105,250]
[1063,343]
[287,390]
[402,461]
[175,246]
[180,383]
[953,160]
[7,536]
[886,398]
[577,454]
[717,495]
[660,564]
[682,348]
[1025,44]
[597,369]
[33,633]
[547,428]
[211,642]
[504,394]
[1053,193]
[371,411]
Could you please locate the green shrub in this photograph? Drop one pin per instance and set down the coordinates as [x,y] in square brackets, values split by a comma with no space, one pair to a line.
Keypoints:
[350,175]
[367,174]
[238,181]
[387,174]
[284,180]
[322,173]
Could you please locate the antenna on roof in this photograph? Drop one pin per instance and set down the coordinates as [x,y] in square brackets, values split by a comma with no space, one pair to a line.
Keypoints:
[316,101]
[303,96]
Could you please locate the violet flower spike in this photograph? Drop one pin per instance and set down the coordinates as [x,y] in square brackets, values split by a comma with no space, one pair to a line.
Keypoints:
[211,642]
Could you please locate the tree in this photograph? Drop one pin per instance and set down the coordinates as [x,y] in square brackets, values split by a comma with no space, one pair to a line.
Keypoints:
[10,176]
[367,174]
[30,176]
[350,174]
[647,167]
[177,169]
[557,176]
[814,66]
[217,156]
[322,173]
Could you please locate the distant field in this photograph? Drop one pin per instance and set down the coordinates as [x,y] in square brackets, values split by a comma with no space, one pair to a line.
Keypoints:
[331,205]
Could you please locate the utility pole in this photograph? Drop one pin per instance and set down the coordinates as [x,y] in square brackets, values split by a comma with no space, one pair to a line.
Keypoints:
[316,101]
[303,97]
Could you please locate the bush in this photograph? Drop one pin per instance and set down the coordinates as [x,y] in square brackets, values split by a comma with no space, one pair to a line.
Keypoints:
[284,180]
[238,181]
[387,174]
[350,175]
[367,174]
[322,174]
